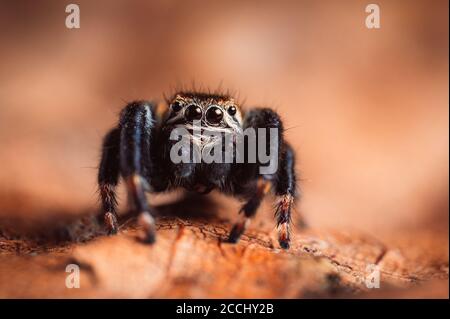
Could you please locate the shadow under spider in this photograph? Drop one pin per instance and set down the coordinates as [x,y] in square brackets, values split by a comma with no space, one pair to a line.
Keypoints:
[190,206]
[60,229]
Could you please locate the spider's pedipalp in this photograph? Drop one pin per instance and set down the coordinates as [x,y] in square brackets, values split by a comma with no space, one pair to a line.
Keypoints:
[249,210]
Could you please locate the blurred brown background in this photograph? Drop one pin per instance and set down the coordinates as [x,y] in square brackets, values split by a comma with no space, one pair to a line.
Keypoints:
[366,109]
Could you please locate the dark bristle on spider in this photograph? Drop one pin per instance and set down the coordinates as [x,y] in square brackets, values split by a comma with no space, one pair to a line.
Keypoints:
[142,150]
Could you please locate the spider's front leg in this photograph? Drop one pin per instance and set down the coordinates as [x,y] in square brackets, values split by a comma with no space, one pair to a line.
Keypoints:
[137,124]
[126,150]
[108,176]
[283,181]
[285,188]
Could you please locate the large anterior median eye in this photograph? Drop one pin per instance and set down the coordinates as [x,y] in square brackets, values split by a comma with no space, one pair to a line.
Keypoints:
[193,112]
[214,115]
[232,110]
[176,106]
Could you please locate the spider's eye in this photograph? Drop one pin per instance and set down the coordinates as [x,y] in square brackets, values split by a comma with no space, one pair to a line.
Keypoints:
[232,110]
[193,112]
[176,106]
[214,115]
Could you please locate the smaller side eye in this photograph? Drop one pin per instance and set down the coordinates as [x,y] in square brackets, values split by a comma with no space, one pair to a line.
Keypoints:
[176,106]
[231,110]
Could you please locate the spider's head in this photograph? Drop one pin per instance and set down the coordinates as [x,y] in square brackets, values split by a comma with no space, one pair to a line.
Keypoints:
[197,126]
[213,111]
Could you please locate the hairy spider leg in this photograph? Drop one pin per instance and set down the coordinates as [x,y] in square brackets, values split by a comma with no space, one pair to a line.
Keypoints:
[137,122]
[108,176]
[283,181]
[285,187]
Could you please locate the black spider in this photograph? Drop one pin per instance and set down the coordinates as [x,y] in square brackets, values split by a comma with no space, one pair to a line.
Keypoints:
[138,149]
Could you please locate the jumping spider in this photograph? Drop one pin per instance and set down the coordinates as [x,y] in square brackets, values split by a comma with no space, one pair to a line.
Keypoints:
[138,149]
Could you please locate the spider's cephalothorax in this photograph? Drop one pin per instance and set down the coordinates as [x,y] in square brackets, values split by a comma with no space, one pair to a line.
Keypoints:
[141,150]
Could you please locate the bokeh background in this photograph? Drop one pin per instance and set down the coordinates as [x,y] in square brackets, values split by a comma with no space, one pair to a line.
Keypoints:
[366,109]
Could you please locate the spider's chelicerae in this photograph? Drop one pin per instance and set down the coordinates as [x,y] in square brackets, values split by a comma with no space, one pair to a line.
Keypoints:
[139,150]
